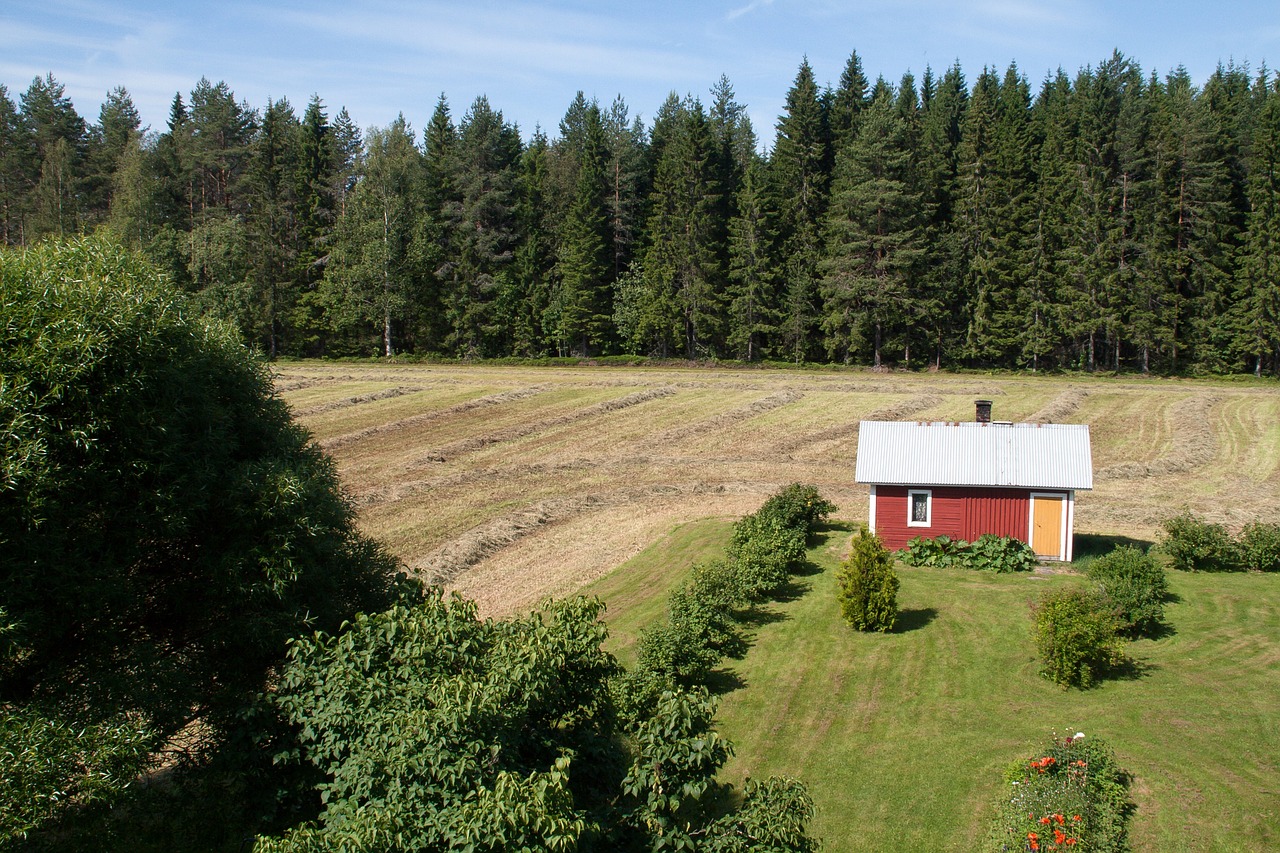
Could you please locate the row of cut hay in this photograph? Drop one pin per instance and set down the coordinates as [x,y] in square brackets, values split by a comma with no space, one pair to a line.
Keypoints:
[478,442]
[462,552]
[724,420]
[426,417]
[348,402]
[896,412]
[1195,443]
[1060,407]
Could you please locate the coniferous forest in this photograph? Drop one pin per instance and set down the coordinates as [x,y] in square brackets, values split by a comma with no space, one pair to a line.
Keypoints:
[1118,219]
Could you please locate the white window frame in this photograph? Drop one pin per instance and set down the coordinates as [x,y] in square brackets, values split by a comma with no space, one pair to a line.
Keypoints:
[928,507]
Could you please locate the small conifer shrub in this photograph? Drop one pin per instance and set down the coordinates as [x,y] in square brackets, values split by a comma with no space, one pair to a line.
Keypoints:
[868,585]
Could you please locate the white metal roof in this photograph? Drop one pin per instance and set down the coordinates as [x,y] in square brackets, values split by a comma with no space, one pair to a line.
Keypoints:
[1036,456]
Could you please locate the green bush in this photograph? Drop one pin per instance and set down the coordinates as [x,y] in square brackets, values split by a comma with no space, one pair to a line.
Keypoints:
[764,552]
[798,506]
[1072,796]
[1197,545]
[1075,636]
[986,553]
[1258,547]
[868,585]
[1135,582]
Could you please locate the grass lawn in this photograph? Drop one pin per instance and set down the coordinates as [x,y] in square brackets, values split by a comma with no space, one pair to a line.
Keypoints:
[902,737]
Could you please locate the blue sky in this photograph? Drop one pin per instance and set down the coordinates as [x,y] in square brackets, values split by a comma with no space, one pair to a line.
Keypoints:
[530,56]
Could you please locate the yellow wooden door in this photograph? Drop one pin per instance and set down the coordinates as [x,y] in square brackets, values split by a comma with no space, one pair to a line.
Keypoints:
[1046,526]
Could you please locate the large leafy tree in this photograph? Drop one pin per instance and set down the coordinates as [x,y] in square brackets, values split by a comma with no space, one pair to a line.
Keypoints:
[164,526]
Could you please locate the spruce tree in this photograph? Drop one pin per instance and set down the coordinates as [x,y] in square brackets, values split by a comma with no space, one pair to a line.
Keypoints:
[799,171]
[753,270]
[583,303]
[1256,312]
[874,238]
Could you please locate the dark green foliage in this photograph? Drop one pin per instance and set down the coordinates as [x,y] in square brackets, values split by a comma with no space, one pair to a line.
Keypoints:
[988,552]
[1136,584]
[1076,784]
[935,552]
[164,526]
[1258,547]
[765,552]
[1196,545]
[49,762]
[1118,220]
[436,729]
[868,585]
[1000,554]
[1075,636]
[798,506]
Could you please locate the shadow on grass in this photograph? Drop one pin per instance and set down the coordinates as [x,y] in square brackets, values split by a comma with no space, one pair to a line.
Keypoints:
[1090,546]
[914,619]
[1131,669]
[722,681]
[759,615]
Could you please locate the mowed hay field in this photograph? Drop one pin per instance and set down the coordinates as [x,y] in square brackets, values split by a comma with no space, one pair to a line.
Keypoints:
[510,484]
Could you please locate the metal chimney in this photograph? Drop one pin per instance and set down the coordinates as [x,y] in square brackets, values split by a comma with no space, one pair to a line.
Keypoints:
[983,411]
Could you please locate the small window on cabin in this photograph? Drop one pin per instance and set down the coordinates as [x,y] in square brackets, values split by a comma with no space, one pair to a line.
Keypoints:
[919,508]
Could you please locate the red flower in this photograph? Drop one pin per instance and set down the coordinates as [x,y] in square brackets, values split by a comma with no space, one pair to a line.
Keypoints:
[1073,817]
[1060,819]
[1045,820]
[1059,836]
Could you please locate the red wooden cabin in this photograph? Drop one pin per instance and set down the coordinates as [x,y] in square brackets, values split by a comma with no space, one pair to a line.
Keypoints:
[967,479]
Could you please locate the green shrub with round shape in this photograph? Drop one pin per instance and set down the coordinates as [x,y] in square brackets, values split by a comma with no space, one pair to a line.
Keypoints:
[1136,584]
[1196,545]
[1258,547]
[1075,635]
[867,585]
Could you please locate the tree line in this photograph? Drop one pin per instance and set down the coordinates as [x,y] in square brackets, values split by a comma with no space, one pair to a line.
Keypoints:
[1116,219]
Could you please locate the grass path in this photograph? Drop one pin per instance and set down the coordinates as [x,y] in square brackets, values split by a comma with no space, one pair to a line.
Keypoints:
[902,738]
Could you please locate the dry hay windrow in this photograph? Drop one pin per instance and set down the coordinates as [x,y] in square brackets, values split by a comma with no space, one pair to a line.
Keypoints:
[1060,407]
[457,555]
[726,419]
[348,402]
[426,417]
[409,488]
[1195,443]
[896,412]
[478,442]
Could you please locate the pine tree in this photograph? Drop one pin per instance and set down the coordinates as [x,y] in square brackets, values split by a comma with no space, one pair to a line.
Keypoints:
[683,272]
[848,102]
[273,225]
[799,181]
[15,164]
[528,299]
[942,273]
[1256,313]
[59,143]
[583,305]
[874,237]
[483,225]
[752,292]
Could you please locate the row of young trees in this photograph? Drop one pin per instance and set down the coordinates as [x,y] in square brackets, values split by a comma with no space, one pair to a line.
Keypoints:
[1116,219]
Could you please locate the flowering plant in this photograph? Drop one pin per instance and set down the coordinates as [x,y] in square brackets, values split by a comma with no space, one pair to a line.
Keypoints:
[1071,797]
